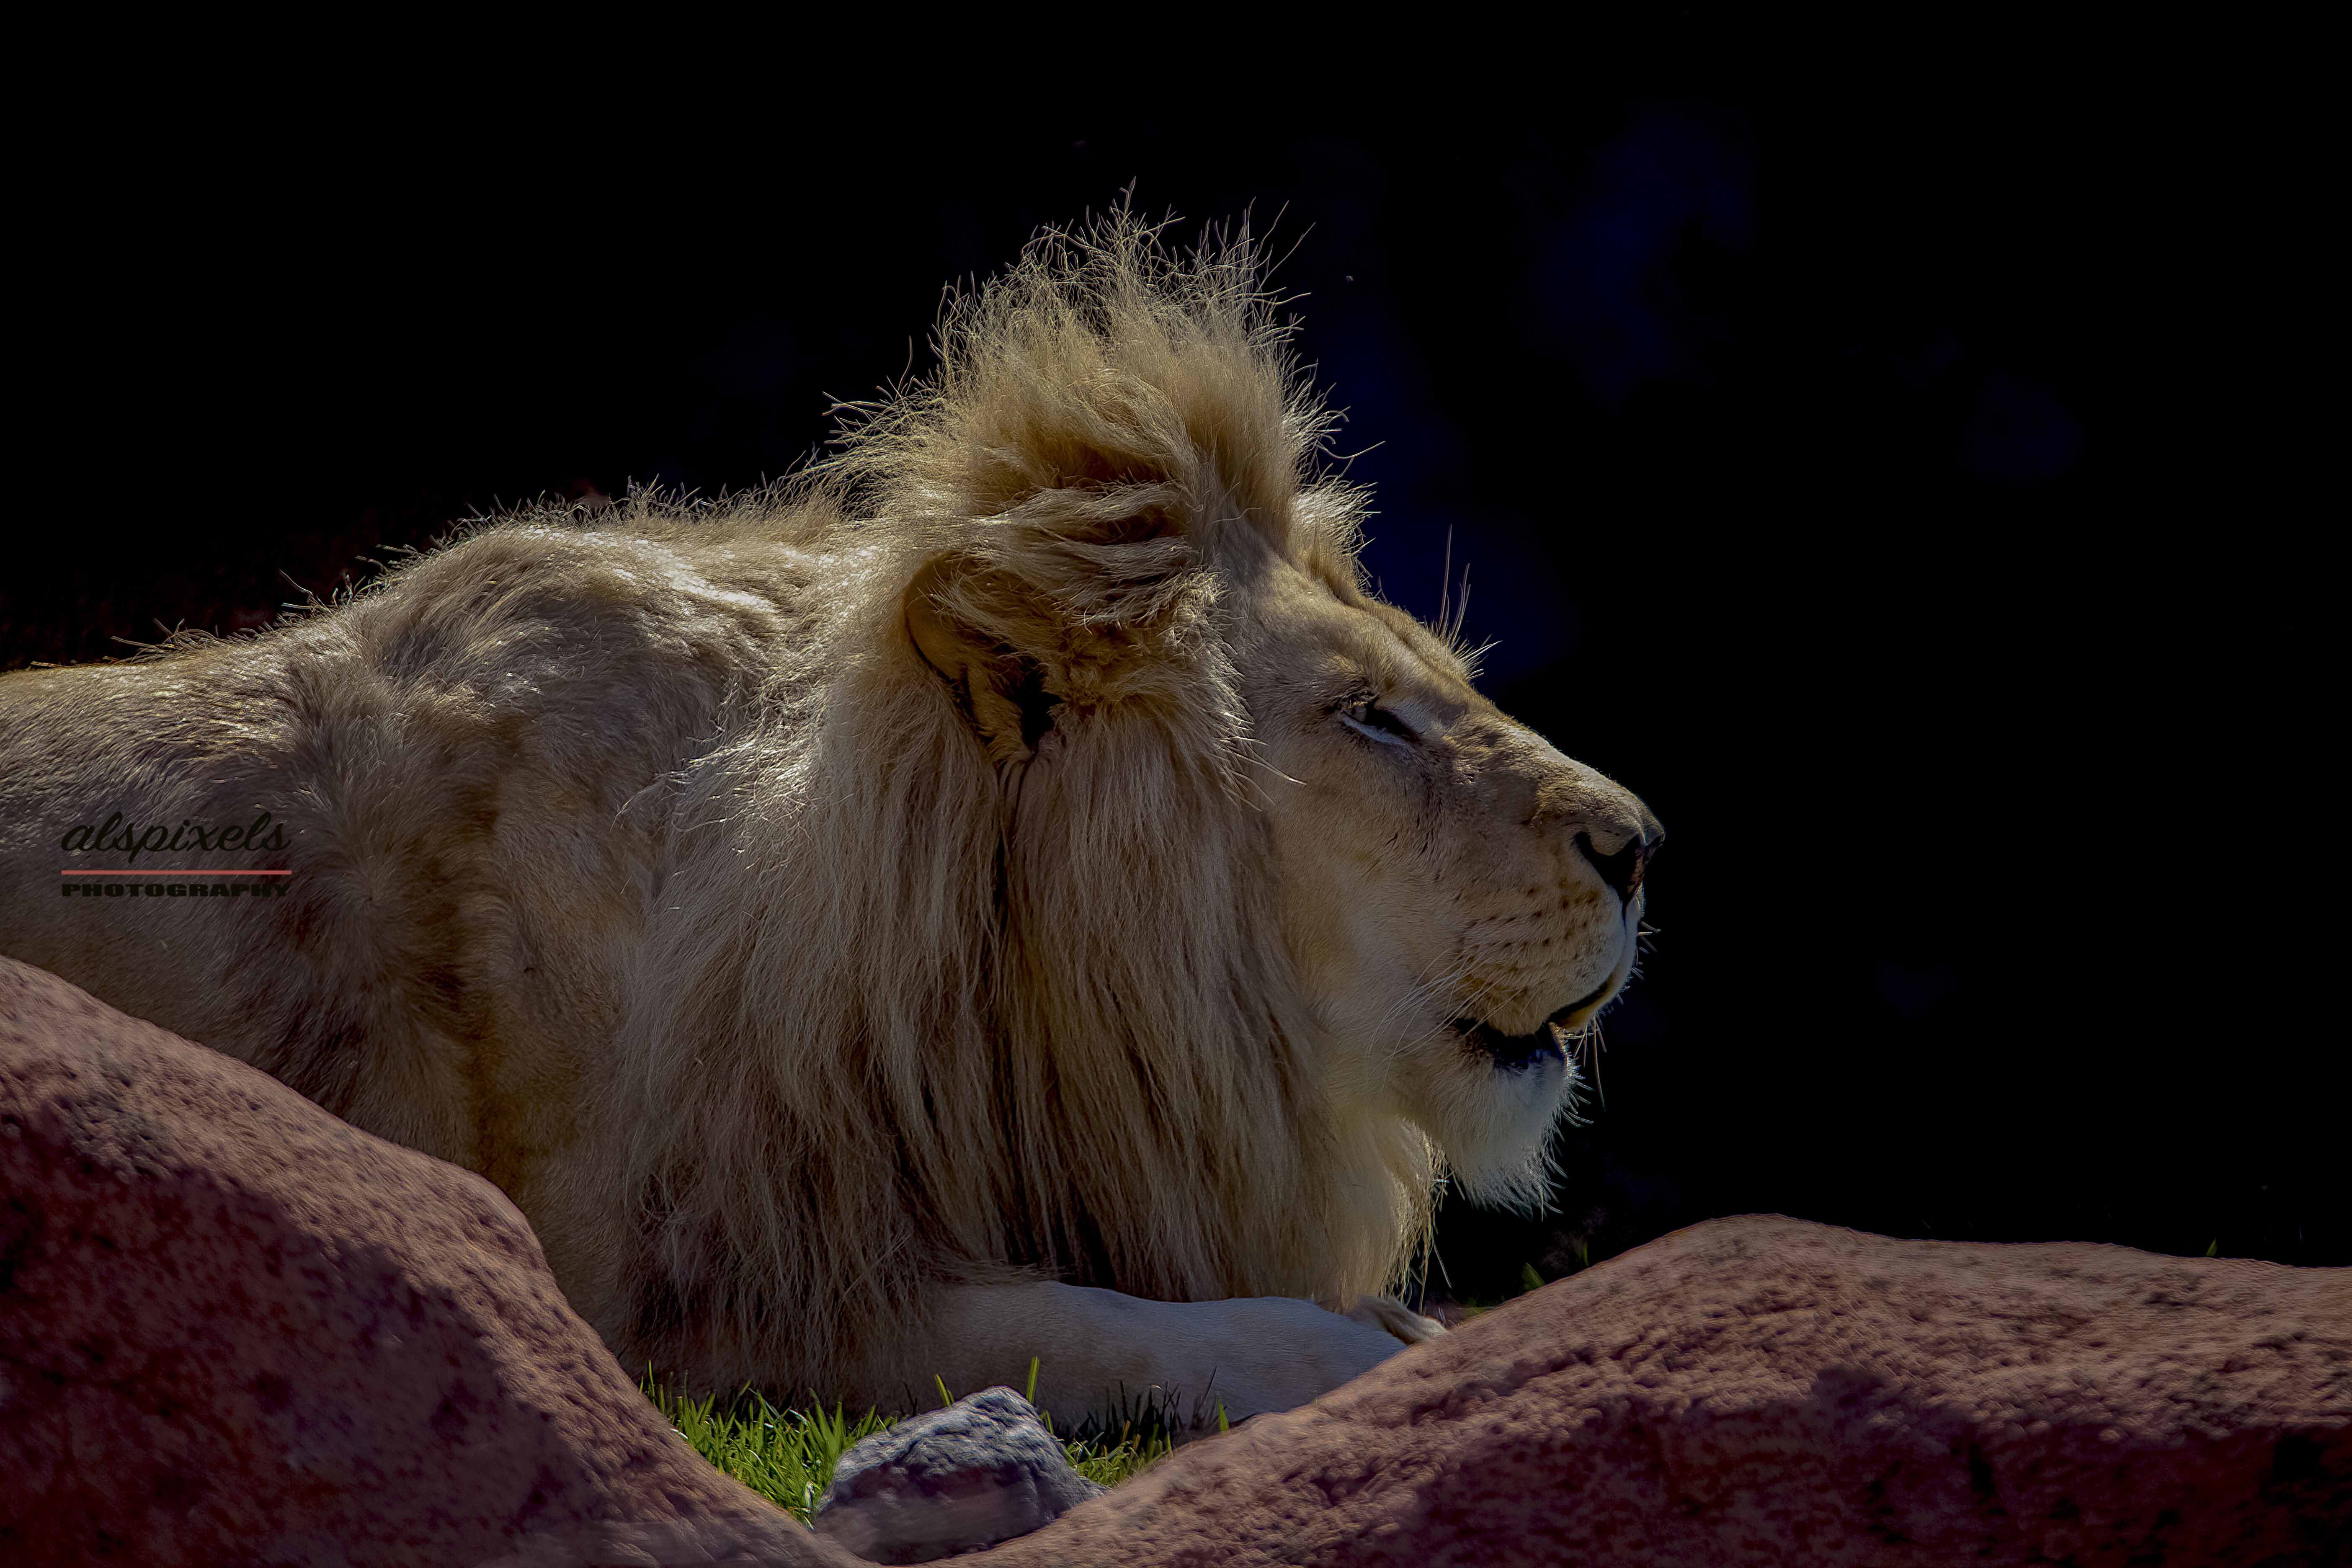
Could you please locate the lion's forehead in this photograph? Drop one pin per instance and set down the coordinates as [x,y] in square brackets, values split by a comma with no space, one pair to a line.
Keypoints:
[1307,632]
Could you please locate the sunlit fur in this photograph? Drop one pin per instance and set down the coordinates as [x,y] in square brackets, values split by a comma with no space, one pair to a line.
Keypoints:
[992,1007]
[786,968]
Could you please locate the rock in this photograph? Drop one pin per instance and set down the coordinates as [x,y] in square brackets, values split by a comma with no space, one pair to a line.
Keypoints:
[234,1329]
[1764,1390]
[983,1470]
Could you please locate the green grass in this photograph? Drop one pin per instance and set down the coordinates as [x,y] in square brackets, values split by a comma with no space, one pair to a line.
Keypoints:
[1471,1305]
[787,1456]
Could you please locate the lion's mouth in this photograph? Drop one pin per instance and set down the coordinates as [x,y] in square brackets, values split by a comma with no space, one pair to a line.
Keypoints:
[1514,1053]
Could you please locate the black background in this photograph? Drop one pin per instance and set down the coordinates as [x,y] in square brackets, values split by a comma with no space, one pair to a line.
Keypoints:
[1874,470]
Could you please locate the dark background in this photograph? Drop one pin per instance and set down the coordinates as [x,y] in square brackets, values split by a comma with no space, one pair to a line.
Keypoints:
[1875,473]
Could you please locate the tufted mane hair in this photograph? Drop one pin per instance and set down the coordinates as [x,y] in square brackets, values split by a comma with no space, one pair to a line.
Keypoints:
[966,975]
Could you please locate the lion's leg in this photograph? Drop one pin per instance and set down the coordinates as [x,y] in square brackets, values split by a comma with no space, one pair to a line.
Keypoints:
[1093,1347]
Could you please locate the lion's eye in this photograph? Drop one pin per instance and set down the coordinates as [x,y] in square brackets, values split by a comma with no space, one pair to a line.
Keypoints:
[1368,719]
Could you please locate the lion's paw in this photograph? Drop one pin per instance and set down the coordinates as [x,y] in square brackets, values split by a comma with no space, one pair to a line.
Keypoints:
[1392,1316]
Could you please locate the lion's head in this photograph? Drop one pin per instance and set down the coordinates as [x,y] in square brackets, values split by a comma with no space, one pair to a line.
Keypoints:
[1155,557]
[1123,888]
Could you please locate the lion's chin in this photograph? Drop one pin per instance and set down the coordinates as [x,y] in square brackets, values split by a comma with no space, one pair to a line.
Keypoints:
[1493,1123]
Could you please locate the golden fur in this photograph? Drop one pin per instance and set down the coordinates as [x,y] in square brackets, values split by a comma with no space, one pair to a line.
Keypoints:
[973,862]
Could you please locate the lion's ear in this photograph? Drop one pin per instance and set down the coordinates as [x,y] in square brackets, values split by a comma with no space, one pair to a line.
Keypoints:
[956,615]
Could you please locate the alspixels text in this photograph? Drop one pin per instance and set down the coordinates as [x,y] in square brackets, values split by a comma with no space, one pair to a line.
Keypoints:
[130,839]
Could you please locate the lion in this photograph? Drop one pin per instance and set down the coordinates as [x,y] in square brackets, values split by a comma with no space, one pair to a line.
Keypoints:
[1011,891]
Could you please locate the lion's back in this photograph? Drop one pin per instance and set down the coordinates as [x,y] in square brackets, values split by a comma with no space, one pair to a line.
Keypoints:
[463,769]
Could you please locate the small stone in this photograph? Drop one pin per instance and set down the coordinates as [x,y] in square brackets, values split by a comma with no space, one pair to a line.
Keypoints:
[983,1470]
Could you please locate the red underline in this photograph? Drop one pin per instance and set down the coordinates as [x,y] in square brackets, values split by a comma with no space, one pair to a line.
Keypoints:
[173,873]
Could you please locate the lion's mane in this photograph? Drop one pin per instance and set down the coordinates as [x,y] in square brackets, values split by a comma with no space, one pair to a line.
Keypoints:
[911,1010]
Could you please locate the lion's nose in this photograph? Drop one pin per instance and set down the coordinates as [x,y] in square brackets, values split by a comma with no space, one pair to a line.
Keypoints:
[1625,869]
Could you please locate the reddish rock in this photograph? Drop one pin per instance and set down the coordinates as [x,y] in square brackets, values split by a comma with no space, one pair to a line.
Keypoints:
[1768,1390]
[236,1330]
